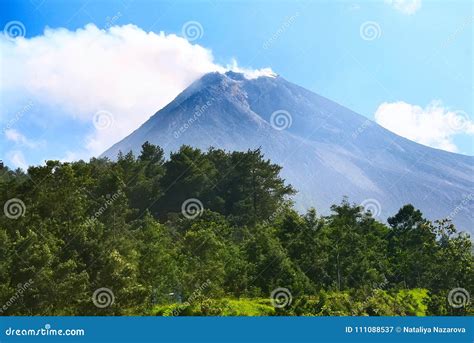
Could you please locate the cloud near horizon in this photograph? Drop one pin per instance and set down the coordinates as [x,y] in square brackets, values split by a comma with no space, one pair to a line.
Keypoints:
[123,72]
[407,7]
[434,125]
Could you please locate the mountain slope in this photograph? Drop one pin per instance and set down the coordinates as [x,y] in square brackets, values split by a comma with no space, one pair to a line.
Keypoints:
[326,152]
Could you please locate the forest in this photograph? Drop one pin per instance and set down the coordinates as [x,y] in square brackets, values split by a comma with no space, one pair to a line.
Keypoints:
[213,233]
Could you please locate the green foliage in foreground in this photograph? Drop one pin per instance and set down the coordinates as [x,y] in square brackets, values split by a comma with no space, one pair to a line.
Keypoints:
[218,307]
[120,225]
[412,302]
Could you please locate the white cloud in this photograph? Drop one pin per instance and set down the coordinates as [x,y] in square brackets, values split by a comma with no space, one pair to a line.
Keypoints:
[17,160]
[123,70]
[433,125]
[17,137]
[251,73]
[405,6]
[354,7]
[14,135]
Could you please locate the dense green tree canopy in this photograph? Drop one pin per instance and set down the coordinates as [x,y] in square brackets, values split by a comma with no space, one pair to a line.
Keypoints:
[76,228]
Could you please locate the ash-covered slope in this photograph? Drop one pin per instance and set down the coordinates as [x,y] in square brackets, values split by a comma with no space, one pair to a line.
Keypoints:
[327,152]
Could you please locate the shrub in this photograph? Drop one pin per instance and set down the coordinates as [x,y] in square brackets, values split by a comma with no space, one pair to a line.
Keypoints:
[218,307]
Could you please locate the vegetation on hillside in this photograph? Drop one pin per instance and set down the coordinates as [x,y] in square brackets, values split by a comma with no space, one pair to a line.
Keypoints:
[211,233]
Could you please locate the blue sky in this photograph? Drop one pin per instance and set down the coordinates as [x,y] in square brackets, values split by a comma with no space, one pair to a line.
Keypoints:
[406,64]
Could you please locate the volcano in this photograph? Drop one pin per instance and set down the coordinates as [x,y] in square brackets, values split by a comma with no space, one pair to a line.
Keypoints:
[326,150]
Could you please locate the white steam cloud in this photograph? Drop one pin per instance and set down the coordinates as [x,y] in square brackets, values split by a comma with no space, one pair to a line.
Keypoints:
[123,71]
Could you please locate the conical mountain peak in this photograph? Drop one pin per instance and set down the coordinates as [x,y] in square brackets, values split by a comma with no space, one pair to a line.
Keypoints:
[326,150]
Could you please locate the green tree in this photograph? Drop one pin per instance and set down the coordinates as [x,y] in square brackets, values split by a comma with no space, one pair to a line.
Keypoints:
[412,245]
